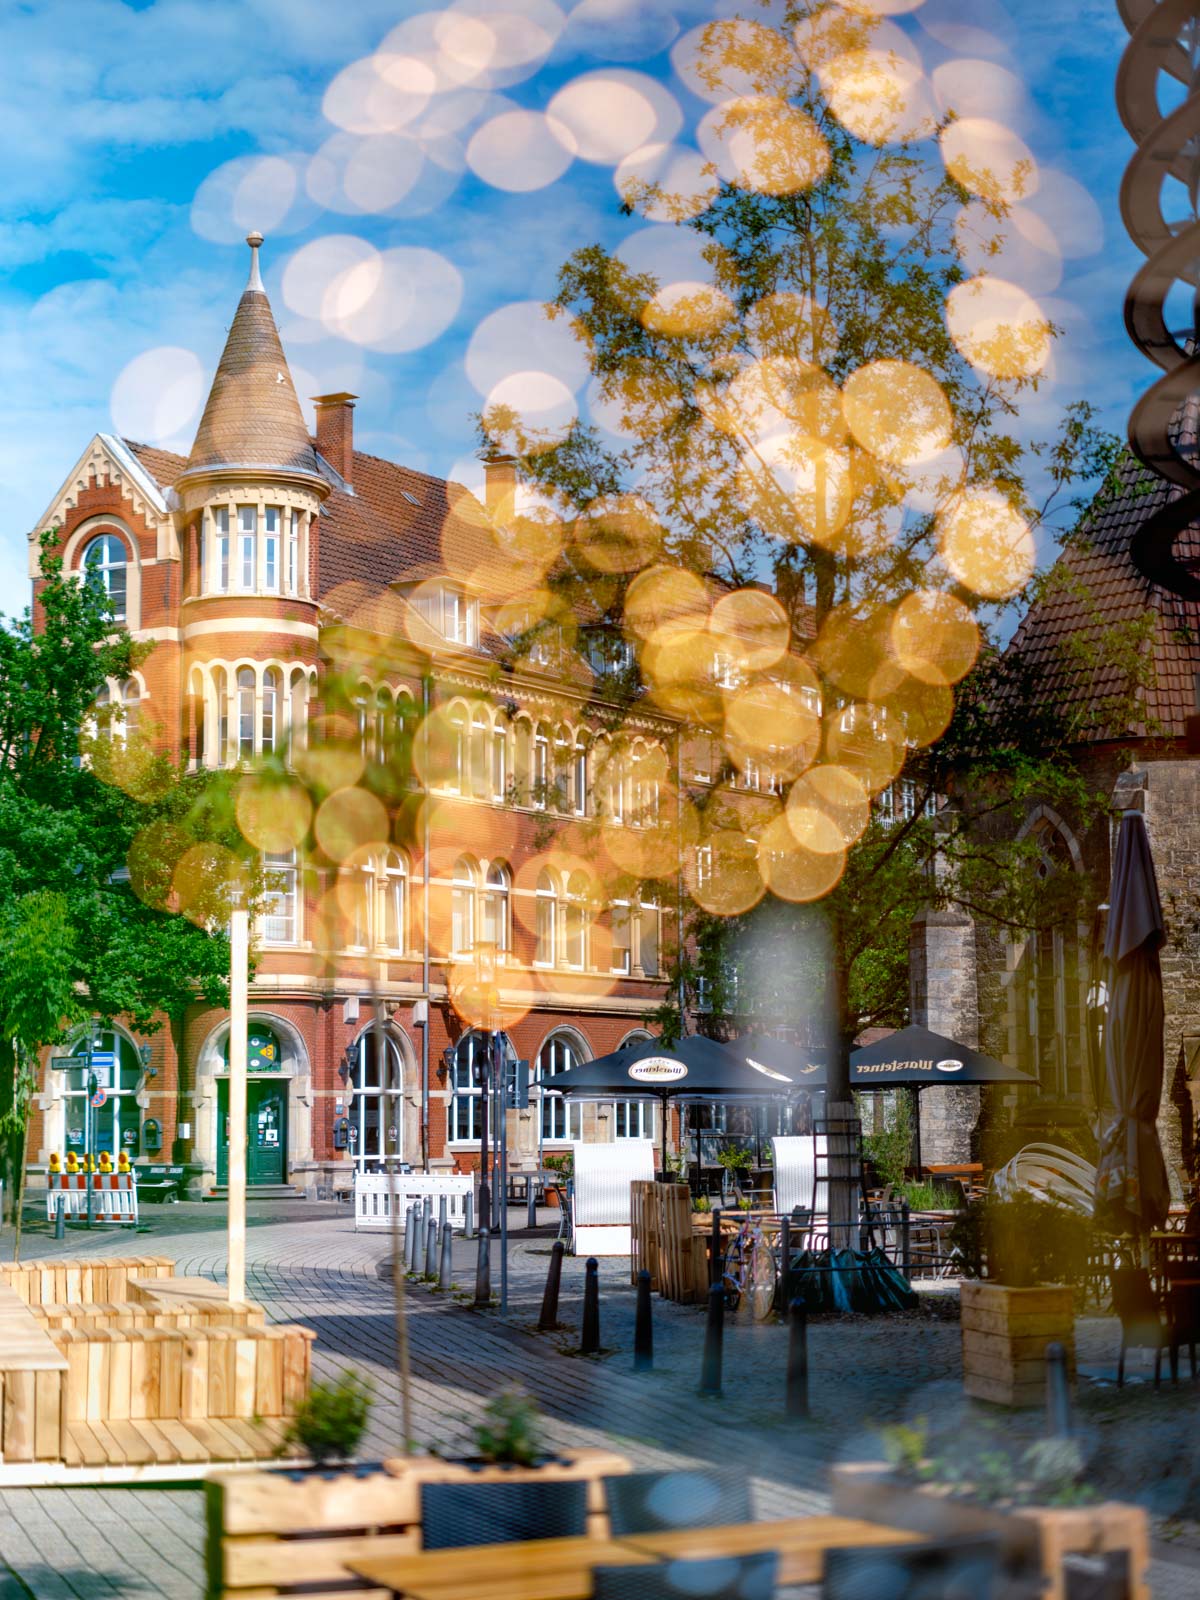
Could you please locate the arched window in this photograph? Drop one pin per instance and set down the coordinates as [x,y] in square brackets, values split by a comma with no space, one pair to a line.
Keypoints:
[377,1109]
[115,1064]
[393,889]
[245,697]
[457,775]
[220,680]
[499,762]
[561,1118]
[357,895]
[539,782]
[547,919]
[522,760]
[105,563]
[463,1113]
[462,906]
[633,1119]
[649,938]
[278,923]
[575,922]
[1049,989]
[564,771]
[362,717]
[495,907]
[579,787]
[385,727]
[131,699]
[104,713]
[272,532]
[270,709]
[480,754]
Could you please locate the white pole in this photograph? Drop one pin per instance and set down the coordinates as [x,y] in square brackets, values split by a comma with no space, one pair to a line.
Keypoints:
[239,956]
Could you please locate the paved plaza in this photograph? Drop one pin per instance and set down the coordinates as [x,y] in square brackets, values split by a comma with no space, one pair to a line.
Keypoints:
[306,1263]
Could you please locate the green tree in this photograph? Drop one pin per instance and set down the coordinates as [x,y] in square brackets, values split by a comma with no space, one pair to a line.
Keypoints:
[92,829]
[834,417]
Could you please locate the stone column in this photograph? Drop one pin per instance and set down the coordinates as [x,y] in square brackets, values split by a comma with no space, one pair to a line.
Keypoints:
[944,998]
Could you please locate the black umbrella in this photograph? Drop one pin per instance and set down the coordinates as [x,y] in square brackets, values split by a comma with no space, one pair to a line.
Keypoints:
[913,1057]
[694,1067]
[1132,1192]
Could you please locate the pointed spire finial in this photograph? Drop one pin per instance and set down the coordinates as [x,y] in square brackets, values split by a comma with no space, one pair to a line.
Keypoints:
[254,240]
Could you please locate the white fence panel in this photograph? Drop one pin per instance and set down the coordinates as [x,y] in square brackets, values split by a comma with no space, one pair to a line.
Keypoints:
[603,1174]
[794,1157]
[373,1194]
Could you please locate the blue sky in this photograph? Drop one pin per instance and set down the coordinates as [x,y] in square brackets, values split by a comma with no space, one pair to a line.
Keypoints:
[144,138]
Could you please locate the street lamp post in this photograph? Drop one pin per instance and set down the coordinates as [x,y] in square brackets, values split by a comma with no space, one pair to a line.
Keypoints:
[485,973]
[239,955]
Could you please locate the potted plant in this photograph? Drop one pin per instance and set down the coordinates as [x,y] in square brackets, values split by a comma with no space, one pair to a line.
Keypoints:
[736,1160]
[986,1480]
[563,1167]
[1030,1253]
[331,1420]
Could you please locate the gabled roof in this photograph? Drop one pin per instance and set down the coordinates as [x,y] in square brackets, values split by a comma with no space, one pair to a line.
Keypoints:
[253,417]
[1079,630]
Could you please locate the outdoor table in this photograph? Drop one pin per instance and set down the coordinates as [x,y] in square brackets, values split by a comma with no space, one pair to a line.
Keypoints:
[801,1542]
[534,1569]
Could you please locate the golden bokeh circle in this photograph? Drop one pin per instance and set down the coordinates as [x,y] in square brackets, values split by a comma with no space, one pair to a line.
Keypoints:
[898,412]
[722,873]
[986,543]
[998,327]
[350,820]
[828,808]
[934,636]
[792,872]
[273,816]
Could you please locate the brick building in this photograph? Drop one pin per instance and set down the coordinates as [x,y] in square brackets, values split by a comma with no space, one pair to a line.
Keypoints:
[246,563]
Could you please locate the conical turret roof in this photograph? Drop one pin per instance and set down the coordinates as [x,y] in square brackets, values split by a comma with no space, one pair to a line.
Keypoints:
[253,418]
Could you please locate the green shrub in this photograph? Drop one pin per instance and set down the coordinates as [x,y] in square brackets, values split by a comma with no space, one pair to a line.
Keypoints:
[735,1158]
[890,1152]
[509,1430]
[701,1203]
[331,1419]
[564,1165]
[926,1196]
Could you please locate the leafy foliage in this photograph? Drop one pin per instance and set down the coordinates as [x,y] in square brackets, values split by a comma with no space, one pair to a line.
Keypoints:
[332,1418]
[811,284]
[509,1430]
[890,1150]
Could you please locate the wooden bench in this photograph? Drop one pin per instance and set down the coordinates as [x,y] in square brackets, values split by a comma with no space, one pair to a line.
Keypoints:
[134,1314]
[31,1378]
[163,1292]
[278,1534]
[84,1282]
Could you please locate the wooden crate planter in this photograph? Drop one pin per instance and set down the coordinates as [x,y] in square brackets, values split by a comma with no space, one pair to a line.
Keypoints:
[1031,1537]
[1005,1332]
[279,1533]
[665,1243]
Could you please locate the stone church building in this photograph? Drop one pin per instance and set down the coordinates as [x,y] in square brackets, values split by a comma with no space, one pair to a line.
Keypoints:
[1125,655]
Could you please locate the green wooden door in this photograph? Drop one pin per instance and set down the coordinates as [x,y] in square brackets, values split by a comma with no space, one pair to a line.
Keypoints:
[266,1130]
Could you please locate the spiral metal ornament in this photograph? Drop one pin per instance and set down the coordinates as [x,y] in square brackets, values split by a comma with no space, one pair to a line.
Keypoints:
[1165,39]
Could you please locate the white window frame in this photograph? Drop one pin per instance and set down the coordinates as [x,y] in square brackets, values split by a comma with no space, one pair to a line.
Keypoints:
[105,568]
[562,1118]
[247,548]
[279,922]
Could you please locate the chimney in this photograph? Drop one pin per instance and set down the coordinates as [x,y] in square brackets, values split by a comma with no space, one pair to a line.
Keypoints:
[499,481]
[335,432]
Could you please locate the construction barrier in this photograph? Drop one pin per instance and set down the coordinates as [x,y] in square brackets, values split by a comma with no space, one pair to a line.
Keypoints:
[373,1195]
[114,1195]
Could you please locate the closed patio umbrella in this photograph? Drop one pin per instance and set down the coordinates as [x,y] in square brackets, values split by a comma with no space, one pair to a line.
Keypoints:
[1132,1193]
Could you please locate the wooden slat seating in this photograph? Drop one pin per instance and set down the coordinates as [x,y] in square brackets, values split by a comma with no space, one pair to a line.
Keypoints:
[102,1365]
[273,1534]
[83,1282]
[665,1242]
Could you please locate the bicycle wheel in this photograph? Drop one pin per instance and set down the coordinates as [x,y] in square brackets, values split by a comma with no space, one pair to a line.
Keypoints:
[759,1282]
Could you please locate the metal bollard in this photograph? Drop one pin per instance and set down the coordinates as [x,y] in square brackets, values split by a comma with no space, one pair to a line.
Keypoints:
[714,1338]
[905,1242]
[446,1268]
[785,1259]
[410,1228]
[441,1212]
[431,1248]
[1058,1393]
[468,1216]
[531,1198]
[589,1332]
[714,1248]
[797,1360]
[549,1317]
[60,1218]
[483,1268]
[419,1233]
[643,1327]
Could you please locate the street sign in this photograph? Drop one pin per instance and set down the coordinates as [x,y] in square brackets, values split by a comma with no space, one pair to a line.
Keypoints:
[516,1085]
[69,1063]
[104,1066]
[98,1099]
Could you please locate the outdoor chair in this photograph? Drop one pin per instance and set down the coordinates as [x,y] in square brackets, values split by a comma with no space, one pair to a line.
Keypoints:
[1182,1302]
[659,1502]
[1135,1302]
[952,1569]
[455,1514]
[722,1578]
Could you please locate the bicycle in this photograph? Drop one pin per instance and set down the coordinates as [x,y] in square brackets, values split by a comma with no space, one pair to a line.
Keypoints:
[749,1272]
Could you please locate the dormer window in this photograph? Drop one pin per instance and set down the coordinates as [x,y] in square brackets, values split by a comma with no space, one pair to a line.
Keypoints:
[449,612]
[104,563]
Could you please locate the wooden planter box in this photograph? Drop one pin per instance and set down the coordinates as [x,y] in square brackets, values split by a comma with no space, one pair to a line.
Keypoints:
[279,1533]
[1033,1538]
[1005,1332]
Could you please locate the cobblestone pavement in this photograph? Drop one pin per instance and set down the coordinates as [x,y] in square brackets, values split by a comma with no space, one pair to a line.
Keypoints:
[305,1262]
